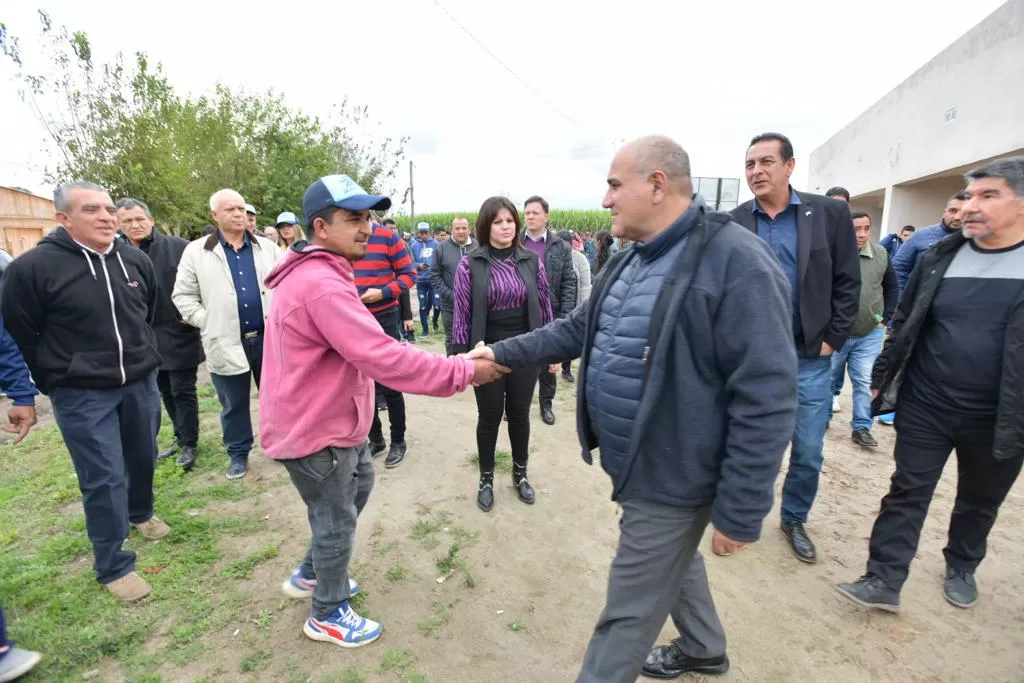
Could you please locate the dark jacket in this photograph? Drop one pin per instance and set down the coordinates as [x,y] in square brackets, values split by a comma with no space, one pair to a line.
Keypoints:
[561,276]
[180,344]
[80,319]
[914,248]
[719,403]
[891,243]
[442,270]
[479,260]
[891,365]
[828,265]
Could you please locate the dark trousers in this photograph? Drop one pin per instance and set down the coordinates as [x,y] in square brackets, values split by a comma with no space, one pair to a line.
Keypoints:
[657,572]
[448,320]
[233,393]
[548,382]
[178,389]
[111,435]
[390,323]
[566,367]
[924,439]
[510,395]
[335,484]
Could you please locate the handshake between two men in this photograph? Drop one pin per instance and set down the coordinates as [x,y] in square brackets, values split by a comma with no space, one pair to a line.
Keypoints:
[486,370]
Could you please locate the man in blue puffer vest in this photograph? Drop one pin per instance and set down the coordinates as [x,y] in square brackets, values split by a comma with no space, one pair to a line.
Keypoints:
[688,387]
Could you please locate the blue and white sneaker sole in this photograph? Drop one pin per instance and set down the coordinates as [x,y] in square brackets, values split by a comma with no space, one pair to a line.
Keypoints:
[315,633]
[296,593]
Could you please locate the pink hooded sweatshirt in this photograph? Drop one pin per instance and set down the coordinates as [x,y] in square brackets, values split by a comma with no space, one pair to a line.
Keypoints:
[322,351]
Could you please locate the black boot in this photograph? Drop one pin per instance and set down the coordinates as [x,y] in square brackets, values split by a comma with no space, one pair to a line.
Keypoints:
[523,487]
[485,497]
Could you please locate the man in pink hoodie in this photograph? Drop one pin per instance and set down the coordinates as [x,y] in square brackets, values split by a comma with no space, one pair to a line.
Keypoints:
[323,350]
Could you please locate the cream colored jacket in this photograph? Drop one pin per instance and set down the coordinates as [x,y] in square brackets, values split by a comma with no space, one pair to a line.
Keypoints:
[204,294]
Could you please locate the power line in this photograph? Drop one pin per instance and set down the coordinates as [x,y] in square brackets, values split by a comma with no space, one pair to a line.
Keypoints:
[517,76]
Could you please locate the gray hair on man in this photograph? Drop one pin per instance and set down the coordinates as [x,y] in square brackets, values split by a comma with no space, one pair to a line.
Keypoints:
[220,194]
[662,153]
[129,203]
[1010,169]
[62,195]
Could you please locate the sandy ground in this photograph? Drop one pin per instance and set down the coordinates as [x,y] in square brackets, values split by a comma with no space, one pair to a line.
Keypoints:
[544,569]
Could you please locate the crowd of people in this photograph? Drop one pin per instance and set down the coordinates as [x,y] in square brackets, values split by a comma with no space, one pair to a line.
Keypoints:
[708,344]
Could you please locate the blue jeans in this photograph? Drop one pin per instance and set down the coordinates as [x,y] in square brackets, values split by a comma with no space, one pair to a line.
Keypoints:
[111,435]
[858,355]
[426,294]
[814,398]
[233,393]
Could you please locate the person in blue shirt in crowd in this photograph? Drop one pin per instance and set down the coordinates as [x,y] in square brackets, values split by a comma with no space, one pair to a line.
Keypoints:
[423,255]
[894,240]
[16,382]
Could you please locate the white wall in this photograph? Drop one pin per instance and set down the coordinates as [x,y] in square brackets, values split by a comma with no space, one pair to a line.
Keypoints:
[904,135]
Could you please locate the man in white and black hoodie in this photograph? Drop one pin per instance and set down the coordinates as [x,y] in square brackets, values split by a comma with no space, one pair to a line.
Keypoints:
[80,306]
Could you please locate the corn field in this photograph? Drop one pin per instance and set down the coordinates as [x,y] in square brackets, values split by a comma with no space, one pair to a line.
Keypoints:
[558,219]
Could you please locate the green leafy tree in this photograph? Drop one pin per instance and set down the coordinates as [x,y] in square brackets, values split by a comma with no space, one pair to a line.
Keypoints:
[124,126]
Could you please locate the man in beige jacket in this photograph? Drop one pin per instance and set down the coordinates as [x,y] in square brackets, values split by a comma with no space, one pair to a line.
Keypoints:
[219,289]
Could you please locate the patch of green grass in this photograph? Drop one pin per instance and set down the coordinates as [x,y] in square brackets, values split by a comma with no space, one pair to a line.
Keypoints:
[416,677]
[442,615]
[396,660]
[292,672]
[46,580]
[502,461]
[209,405]
[453,561]
[349,675]
[242,569]
[255,661]
[395,574]
[382,549]
[516,626]
[425,527]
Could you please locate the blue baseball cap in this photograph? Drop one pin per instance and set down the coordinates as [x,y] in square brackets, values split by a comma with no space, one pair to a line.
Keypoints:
[286,218]
[340,191]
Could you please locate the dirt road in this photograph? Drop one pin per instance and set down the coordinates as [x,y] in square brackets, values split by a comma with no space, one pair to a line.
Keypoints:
[539,574]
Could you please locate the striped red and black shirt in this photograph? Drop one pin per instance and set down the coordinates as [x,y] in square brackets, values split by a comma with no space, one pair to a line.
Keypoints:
[387,266]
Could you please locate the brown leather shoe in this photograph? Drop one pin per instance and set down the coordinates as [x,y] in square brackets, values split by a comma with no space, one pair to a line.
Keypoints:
[129,588]
[153,529]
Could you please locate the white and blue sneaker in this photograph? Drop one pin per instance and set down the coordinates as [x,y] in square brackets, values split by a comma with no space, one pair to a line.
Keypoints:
[299,587]
[344,628]
[887,419]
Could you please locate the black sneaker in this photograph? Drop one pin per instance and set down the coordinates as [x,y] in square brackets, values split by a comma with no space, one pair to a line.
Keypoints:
[396,456]
[567,376]
[547,415]
[869,591]
[668,661]
[238,468]
[960,589]
[377,447]
[163,455]
[862,437]
[187,458]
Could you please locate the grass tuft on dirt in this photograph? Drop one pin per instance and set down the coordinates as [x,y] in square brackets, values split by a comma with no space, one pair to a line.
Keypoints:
[502,461]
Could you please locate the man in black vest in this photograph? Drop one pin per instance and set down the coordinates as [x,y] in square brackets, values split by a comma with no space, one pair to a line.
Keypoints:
[178,342]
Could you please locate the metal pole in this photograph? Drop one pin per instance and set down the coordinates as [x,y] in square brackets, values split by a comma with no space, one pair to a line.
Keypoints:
[412,203]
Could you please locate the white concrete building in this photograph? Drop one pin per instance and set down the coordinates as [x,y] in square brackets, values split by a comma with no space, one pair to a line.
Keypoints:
[906,155]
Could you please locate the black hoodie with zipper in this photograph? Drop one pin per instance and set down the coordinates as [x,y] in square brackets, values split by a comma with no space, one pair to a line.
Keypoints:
[82,319]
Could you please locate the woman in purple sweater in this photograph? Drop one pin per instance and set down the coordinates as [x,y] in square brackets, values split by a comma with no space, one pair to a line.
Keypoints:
[501,290]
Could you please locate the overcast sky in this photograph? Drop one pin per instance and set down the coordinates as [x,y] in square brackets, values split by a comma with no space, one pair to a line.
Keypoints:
[709,74]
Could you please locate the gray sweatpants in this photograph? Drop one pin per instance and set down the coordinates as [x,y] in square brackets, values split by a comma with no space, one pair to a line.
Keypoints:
[657,571]
[335,484]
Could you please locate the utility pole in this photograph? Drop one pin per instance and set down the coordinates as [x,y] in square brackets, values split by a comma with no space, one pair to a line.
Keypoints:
[412,204]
